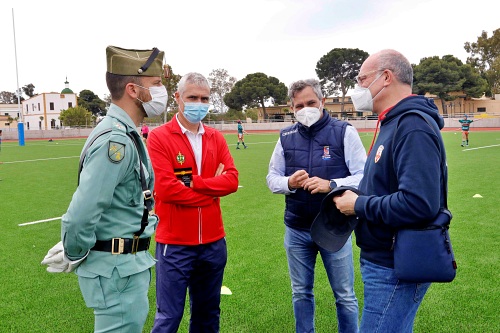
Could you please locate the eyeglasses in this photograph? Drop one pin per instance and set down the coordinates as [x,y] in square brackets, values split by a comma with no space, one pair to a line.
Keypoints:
[360,78]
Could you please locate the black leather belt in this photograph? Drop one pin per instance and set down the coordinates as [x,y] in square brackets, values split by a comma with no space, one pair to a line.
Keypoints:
[122,245]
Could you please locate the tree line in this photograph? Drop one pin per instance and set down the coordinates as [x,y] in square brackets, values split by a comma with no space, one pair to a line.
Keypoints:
[336,70]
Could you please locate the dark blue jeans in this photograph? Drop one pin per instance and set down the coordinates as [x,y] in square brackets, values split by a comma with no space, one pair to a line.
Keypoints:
[200,269]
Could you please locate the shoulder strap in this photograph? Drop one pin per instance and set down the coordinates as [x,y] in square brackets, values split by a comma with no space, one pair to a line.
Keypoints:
[147,195]
[436,131]
[146,192]
[82,157]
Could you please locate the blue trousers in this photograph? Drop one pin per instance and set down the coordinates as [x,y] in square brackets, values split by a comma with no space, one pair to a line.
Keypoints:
[390,305]
[302,252]
[198,268]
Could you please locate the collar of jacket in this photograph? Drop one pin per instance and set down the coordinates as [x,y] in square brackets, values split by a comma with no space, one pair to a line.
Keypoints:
[176,128]
[118,113]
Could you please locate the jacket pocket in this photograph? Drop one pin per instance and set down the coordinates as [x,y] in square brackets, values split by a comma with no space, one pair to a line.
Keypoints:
[92,290]
[135,188]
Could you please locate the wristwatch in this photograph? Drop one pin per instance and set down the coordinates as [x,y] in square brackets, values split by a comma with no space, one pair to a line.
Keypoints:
[333,184]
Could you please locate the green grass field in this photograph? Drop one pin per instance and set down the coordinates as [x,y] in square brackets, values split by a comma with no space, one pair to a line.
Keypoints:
[39,179]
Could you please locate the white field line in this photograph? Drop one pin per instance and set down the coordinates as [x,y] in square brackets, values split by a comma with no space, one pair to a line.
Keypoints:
[58,144]
[39,221]
[481,147]
[41,159]
[44,144]
[254,143]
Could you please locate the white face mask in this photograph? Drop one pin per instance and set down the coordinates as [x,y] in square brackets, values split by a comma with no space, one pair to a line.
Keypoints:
[158,103]
[362,97]
[308,116]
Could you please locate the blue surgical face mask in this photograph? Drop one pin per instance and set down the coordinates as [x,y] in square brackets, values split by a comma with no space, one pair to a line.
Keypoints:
[195,112]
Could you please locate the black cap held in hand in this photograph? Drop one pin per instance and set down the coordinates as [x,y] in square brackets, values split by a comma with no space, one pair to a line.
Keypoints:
[331,229]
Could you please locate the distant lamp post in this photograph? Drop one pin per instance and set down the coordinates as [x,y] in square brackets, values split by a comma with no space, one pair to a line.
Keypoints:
[20,125]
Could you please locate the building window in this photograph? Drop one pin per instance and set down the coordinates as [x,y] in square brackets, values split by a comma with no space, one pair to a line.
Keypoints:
[70,105]
[33,106]
[39,106]
[51,106]
[27,108]
[481,109]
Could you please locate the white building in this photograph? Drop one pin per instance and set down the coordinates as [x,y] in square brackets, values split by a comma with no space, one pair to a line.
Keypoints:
[42,111]
[8,115]
[10,110]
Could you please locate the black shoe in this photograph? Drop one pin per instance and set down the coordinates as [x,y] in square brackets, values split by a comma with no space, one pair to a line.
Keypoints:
[245,147]
[462,145]
[237,147]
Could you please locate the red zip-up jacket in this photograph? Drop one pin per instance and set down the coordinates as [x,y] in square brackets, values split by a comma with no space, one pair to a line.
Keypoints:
[189,216]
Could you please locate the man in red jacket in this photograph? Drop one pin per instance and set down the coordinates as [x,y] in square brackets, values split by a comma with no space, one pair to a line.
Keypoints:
[193,169]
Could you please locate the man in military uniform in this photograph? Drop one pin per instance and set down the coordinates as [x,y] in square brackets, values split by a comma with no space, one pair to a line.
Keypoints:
[107,228]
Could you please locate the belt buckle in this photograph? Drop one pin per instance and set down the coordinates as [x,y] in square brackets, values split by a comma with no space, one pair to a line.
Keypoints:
[120,245]
[135,244]
[147,194]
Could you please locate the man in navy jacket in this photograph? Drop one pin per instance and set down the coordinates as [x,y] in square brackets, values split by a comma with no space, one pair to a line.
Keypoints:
[401,186]
[312,157]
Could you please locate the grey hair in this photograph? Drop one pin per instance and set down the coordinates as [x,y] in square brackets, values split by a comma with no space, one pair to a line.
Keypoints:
[398,64]
[300,85]
[192,78]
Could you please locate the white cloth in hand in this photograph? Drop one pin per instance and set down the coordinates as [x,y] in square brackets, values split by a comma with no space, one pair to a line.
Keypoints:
[58,262]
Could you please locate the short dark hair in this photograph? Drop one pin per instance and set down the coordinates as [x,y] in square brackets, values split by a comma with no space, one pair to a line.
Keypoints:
[116,84]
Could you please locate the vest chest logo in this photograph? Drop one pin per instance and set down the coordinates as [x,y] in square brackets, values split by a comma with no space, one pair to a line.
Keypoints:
[379,153]
[180,158]
[326,153]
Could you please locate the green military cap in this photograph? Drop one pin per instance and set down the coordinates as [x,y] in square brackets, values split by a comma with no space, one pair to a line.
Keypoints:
[135,62]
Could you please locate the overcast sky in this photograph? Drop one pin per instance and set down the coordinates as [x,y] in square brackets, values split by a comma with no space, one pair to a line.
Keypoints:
[281,38]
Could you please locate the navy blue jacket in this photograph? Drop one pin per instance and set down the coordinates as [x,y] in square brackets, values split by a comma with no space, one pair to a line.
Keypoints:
[402,182]
[319,150]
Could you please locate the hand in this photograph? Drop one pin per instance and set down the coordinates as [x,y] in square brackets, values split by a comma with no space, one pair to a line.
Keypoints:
[317,185]
[55,259]
[58,262]
[297,179]
[345,202]
[220,170]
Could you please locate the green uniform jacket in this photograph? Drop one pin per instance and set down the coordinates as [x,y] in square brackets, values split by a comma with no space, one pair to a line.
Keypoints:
[108,202]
